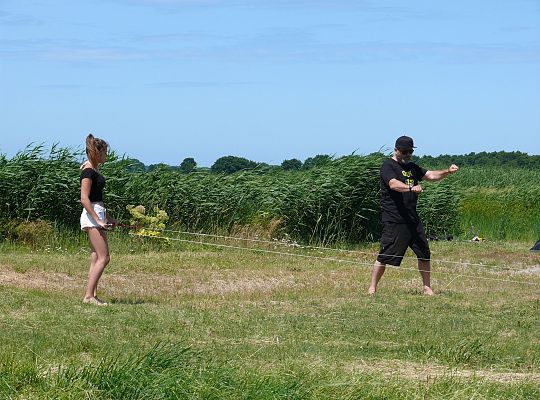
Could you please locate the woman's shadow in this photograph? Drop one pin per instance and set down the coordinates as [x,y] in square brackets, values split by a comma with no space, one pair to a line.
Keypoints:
[128,301]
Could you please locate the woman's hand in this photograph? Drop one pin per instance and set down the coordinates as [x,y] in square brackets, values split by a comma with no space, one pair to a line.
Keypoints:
[111,222]
[103,224]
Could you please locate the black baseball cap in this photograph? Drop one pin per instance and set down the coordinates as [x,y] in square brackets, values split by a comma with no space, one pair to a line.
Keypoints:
[404,142]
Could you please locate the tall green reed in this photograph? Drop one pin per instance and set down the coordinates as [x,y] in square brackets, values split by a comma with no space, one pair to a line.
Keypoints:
[337,202]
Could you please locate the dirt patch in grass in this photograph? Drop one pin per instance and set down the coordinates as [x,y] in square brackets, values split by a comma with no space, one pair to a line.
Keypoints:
[532,270]
[189,282]
[39,280]
[417,371]
[215,284]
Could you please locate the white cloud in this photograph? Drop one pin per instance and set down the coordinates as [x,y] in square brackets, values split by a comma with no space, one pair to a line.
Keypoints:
[10,19]
[197,84]
[93,54]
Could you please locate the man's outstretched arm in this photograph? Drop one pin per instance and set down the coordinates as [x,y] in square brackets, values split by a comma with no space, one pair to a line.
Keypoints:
[440,174]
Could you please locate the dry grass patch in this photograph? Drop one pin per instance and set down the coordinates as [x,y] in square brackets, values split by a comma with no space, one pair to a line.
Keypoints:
[532,270]
[186,282]
[425,372]
[50,281]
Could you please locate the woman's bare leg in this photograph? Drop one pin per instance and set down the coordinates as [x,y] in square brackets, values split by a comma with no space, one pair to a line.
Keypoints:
[93,261]
[99,258]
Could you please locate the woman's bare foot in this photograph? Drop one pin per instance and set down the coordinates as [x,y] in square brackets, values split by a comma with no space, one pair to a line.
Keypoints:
[94,301]
[371,290]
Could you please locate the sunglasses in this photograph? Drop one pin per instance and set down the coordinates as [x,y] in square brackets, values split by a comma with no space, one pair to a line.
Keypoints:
[406,151]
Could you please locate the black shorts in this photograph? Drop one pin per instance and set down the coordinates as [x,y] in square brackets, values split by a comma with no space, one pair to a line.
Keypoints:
[397,237]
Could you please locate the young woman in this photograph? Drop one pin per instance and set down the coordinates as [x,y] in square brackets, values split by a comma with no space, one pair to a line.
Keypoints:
[94,219]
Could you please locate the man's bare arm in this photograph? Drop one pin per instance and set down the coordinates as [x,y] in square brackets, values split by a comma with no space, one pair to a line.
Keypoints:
[440,174]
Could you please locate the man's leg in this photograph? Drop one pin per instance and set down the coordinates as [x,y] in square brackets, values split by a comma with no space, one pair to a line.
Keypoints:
[394,241]
[376,275]
[420,247]
[424,266]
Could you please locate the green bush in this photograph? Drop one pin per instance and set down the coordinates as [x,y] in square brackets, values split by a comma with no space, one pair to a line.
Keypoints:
[34,232]
[7,229]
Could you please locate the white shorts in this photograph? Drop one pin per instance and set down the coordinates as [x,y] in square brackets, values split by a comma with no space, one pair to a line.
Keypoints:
[88,222]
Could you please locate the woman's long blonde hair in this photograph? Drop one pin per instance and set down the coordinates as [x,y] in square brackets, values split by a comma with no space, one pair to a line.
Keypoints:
[94,147]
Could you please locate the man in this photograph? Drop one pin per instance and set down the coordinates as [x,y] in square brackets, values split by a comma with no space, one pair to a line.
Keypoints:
[402,227]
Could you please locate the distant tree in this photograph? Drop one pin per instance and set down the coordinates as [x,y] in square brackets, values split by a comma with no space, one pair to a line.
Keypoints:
[230,164]
[317,161]
[134,165]
[153,167]
[188,165]
[264,166]
[291,165]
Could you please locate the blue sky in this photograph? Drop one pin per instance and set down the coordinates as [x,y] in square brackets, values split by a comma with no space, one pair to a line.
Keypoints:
[268,80]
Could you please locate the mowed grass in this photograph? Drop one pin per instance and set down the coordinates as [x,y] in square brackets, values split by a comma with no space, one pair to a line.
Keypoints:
[202,322]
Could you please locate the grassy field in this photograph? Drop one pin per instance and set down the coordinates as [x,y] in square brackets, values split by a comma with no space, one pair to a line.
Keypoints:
[199,322]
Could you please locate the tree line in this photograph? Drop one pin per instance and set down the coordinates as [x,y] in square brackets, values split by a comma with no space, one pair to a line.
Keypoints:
[513,159]
[231,164]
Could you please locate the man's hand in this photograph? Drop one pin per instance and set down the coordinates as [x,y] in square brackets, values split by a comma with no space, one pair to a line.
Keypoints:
[416,189]
[433,176]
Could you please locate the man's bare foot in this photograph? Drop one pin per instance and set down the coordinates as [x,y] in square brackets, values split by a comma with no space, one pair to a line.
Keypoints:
[428,291]
[371,290]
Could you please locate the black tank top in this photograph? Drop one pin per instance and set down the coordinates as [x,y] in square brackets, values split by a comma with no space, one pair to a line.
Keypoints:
[98,183]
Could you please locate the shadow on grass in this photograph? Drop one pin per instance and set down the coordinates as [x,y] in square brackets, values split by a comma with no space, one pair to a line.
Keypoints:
[129,301]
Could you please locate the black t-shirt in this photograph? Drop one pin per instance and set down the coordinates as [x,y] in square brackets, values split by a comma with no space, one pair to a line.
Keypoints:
[98,183]
[399,207]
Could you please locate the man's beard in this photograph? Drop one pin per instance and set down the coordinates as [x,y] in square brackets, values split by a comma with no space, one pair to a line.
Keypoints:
[404,162]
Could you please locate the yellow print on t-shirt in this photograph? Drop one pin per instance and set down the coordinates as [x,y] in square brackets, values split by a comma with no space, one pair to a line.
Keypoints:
[409,180]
